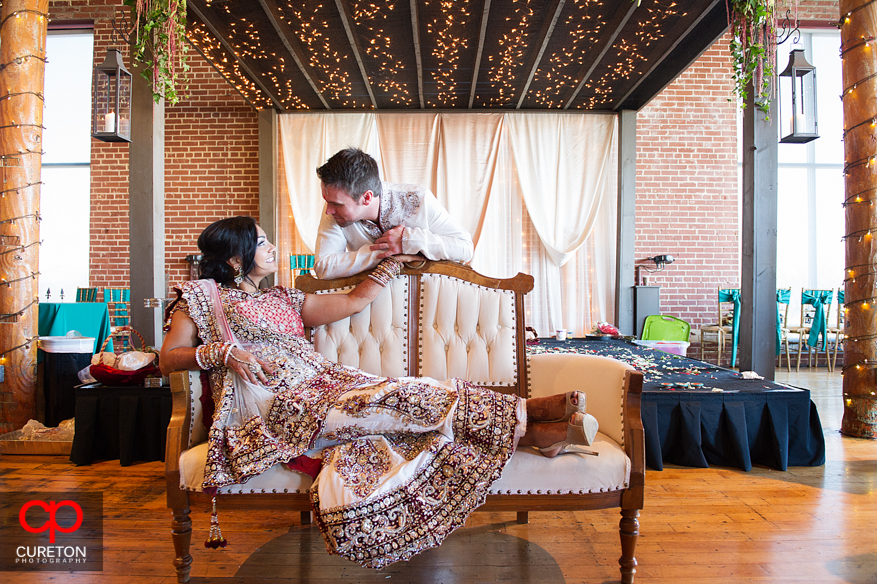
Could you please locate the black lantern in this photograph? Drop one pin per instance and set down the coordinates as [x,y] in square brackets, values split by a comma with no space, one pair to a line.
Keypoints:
[798,100]
[111,100]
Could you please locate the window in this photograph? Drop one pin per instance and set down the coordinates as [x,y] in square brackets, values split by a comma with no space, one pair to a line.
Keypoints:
[66,173]
[810,253]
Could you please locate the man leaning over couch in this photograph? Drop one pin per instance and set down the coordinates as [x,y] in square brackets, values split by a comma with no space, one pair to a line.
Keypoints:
[367,219]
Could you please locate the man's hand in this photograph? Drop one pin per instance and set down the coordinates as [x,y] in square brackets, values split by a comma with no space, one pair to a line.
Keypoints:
[390,243]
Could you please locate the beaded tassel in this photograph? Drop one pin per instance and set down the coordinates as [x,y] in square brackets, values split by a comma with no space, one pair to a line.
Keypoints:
[215,539]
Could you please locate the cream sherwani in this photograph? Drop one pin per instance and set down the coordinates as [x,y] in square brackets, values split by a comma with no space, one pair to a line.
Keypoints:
[429,230]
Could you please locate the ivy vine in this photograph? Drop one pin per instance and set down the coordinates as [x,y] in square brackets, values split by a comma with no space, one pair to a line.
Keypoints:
[753,49]
[159,33]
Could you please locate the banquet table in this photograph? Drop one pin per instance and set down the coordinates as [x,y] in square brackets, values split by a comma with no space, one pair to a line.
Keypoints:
[59,370]
[128,423]
[697,414]
[91,319]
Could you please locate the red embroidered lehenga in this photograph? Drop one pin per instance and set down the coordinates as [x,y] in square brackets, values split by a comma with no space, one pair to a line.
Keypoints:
[405,461]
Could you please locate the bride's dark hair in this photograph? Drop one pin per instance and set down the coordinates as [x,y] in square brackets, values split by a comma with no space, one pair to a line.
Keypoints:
[223,240]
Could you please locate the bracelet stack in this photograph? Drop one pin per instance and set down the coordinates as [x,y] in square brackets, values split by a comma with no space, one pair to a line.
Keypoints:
[385,271]
[212,355]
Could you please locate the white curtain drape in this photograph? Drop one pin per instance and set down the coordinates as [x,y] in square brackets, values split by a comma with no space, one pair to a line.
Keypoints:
[536,190]
[308,141]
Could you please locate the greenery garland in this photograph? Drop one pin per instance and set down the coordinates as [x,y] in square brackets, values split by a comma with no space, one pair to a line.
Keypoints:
[159,44]
[753,49]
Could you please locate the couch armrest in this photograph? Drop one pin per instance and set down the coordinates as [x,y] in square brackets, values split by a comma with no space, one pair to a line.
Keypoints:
[602,379]
[178,431]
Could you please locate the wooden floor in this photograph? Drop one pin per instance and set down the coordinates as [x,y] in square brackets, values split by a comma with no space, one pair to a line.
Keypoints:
[806,525]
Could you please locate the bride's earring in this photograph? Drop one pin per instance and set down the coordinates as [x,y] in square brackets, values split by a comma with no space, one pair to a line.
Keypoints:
[239,276]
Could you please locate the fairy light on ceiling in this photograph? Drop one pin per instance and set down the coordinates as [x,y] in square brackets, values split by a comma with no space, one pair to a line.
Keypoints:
[312,30]
[372,17]
[504,66]
[448,33]
[226,64]
[360,54]
[585,25]
[631,54]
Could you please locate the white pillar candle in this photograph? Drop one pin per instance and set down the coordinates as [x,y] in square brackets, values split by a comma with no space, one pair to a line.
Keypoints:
[109,122]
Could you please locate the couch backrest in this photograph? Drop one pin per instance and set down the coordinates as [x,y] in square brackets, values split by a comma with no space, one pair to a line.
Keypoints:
[442,320]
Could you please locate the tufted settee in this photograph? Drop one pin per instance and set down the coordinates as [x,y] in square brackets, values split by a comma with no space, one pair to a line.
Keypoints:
[445,320]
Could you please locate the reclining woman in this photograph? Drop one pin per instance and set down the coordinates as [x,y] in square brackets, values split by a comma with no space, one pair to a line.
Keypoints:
[404,461]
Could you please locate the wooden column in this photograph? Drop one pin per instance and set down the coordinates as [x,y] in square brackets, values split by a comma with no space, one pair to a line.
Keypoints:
[626,225]
[268,178]
[758,279]
[146,208]
[23,25]
[859,67]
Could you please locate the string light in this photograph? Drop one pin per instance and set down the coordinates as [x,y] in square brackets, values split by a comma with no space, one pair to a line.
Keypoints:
[857,345]
[14,160]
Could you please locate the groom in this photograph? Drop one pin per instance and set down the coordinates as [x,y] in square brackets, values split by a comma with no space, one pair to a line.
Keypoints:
[367,219]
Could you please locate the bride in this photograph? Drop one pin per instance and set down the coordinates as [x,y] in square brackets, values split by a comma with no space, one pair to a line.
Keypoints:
[403,461]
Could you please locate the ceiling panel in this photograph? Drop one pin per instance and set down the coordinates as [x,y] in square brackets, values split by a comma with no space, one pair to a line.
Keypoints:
[582,55]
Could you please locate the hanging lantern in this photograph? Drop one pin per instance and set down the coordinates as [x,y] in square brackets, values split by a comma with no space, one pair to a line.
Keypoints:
[798,100]
[111,100]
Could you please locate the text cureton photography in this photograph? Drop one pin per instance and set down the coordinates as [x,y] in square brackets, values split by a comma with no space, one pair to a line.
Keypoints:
[43,531]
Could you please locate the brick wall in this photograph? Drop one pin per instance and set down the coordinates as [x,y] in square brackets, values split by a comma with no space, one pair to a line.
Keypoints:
[687,202]
[211,160]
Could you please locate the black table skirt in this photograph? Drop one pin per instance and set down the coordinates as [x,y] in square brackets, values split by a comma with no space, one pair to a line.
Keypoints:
[128,423]
[748,422]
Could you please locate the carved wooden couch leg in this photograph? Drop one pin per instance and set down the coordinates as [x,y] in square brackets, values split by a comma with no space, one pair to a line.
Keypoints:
[181,532]
[629,530]
[523,517]
[306,518]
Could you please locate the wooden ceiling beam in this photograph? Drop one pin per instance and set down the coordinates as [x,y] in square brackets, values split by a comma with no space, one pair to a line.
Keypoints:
[545,37]
[485,13]
[689,45]
[617,27]
[344,13]
[204,14]
[687,36]
[287,37]
[415,30]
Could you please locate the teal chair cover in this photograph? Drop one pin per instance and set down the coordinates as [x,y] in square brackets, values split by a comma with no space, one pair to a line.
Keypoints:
[303,262]
[117,295]
[819,300]
[783,297]
[840,297]
[86,295]
[733,295]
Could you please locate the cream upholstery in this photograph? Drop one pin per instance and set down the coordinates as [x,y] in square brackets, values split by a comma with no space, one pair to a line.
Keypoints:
[466,331]
[600,378]
[376,339]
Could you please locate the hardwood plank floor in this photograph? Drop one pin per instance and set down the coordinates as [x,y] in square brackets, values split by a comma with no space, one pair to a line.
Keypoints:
[805,525]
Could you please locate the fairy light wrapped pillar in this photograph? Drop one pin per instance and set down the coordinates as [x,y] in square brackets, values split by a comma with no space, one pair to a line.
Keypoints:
[23,25]
[858,25]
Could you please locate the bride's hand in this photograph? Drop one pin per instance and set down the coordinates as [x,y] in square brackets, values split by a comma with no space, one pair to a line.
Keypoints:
[248,366]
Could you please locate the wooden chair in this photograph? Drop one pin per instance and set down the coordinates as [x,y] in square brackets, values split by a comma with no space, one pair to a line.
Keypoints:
[836,331]
[784,297]
[815,305]
[119,306]
[87,294]
[724,326]
[406,331]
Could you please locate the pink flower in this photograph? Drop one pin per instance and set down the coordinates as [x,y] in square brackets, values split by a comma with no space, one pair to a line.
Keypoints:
[607,329]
